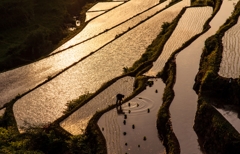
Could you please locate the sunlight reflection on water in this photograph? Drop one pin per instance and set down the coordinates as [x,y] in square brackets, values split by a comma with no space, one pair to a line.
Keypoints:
[17,81]
[184,105]
[144,123]
[91,73]
[77,122]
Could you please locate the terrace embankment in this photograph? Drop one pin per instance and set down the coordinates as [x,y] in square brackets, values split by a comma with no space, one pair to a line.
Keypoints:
[212,89]
[164,124]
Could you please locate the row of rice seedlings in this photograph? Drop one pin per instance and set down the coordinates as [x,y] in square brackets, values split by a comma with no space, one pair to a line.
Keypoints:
[189,25]
[230,64]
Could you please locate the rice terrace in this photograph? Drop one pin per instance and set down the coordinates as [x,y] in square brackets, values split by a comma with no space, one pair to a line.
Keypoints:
[120,77]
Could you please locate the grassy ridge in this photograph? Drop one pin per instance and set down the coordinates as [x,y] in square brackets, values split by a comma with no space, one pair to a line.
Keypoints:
[164,124]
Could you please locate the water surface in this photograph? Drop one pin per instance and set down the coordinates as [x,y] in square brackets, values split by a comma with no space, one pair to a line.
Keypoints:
[114,17]
[184,105]
[22,79]
[112,126]
[91,15]
[77,122]
[190,24]
[49,100]
[100,6]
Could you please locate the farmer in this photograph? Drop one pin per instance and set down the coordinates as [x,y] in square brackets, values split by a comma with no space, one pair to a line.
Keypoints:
[119,99]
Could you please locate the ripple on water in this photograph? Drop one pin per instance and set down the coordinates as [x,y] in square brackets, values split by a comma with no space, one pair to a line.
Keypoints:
[113,127]
[139,106]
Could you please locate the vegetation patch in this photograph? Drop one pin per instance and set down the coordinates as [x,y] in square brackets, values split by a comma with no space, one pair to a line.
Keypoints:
[76,102]
[220,136]
[164,124]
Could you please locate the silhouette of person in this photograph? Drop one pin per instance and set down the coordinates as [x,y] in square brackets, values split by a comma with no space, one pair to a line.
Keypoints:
[119,99]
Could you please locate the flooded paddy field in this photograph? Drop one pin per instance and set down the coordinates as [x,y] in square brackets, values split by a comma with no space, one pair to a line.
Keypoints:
[103,58]
[116,16]
[18,81]
[100,8]
[110,60]
[77,122]
[91,15]
[104,6]
[230,65]
[140,122]
[189,25]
